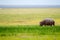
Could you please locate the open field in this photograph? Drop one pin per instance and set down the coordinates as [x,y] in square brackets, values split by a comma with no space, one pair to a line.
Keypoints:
[29,32]
[28,15]
[42,37]
[23,24]
[33,29]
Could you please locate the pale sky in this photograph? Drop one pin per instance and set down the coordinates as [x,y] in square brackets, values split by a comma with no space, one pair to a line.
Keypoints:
[29,2]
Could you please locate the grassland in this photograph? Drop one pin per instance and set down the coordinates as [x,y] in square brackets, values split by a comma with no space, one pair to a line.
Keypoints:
[28,15]
[23,24]
[29,32]
[34,29]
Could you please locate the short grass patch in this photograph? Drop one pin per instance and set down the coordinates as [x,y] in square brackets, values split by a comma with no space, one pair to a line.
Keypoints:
[30,30]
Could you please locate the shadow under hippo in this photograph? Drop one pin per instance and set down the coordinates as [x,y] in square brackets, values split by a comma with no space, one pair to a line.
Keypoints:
[47,21]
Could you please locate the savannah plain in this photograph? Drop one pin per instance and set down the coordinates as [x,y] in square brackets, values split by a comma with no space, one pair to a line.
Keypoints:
[23,24]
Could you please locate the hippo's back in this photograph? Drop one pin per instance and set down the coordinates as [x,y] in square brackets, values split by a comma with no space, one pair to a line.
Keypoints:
[47,20]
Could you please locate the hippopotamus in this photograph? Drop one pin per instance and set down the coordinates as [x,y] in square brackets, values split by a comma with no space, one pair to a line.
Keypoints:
[47,21]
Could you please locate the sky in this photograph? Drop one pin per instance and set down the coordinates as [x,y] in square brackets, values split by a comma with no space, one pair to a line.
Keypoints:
[29,2]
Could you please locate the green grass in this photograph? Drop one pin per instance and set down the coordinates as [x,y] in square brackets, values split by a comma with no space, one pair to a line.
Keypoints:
[29,29]
[29,32]
[45,37]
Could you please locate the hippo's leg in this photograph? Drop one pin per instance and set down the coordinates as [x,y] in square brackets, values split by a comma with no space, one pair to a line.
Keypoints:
[45,25]
[50,25]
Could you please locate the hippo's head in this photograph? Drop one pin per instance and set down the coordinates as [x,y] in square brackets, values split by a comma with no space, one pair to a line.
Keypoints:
[41,23]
